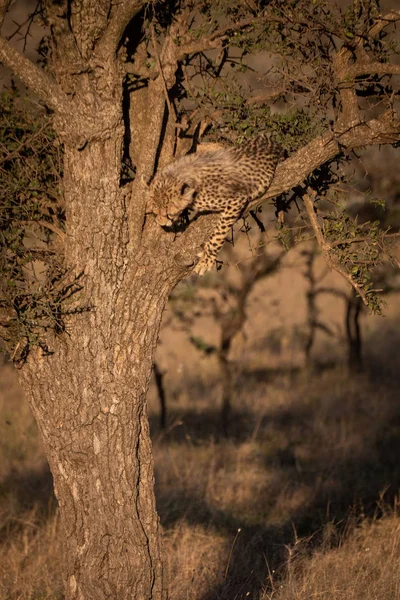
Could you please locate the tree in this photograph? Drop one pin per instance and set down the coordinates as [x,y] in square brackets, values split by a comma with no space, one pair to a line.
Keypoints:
[227,304]
[130,85]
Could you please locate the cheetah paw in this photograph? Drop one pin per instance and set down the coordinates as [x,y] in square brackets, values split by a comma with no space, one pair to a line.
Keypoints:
[205,264]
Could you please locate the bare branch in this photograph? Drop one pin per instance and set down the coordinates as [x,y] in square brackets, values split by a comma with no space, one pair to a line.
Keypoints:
[25,141]
[32,76]
[51,227]
[266,96]
[122,13]
[361,239]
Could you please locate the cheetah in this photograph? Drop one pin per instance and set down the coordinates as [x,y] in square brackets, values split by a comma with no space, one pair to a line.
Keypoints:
[222,181]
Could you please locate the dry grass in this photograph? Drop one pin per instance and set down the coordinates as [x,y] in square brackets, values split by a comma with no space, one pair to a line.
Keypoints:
[364,566]
[309,456]
[30,549]
[31,559]
[304,452]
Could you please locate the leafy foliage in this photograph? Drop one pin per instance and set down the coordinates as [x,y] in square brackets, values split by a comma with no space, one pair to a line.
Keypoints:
[359,247]
[33,283]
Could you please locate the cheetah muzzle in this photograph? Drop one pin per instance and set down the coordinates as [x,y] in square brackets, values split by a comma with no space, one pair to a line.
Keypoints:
[222,181]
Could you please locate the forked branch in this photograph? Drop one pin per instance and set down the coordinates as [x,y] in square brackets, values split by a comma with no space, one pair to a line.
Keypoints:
[381,22]
[346,70]
[122,13]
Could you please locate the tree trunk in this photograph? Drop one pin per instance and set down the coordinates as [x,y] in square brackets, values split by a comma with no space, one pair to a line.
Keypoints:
[88,393]
[227,381]
[353,333]
[159,379]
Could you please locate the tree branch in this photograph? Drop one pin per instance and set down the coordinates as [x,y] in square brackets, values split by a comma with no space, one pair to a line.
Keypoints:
[292,172]
[32,76]
[266,96]
[370,68]
[212,41]
[147,129]
[361,239]
[346,86]
[295,170]
[345,72]
[383,21]
[122,14]
[309,199]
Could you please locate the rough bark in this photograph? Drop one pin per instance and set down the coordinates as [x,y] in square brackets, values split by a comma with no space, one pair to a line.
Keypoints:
[88,392]
[91,411]
[88,395]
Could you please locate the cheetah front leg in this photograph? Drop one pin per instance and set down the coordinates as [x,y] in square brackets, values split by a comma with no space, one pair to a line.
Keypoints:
[209,255]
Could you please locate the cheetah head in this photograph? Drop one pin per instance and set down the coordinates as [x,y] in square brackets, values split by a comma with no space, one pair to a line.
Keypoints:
[168,198]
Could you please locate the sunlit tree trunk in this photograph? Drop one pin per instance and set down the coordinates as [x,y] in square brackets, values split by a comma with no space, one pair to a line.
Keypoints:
[88,393]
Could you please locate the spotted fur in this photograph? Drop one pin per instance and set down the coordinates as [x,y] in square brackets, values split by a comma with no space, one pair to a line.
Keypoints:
[222,181]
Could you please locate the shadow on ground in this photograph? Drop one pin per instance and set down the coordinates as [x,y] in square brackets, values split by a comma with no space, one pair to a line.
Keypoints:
[31,491]
[342,443]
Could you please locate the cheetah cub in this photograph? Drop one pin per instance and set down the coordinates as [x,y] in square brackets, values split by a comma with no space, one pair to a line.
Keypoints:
[222,181]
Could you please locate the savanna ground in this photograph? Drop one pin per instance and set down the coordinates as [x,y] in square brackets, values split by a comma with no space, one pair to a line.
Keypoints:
[298,501]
